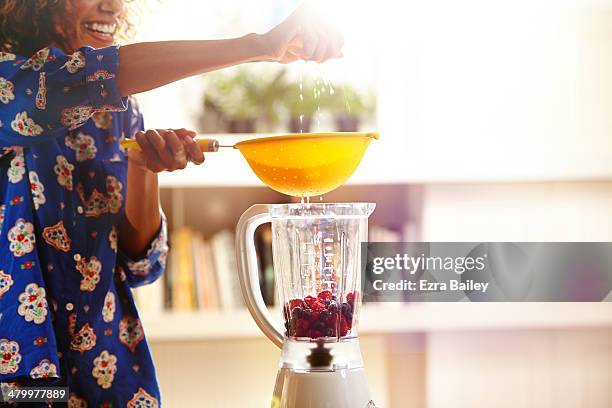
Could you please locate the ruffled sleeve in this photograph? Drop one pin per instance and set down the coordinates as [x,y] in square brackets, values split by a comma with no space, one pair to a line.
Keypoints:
[49,93]
[149,267]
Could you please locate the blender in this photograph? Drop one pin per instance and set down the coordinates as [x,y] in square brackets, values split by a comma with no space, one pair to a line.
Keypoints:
[316,255]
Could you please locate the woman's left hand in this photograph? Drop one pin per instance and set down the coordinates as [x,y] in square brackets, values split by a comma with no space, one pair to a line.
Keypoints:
[166,150]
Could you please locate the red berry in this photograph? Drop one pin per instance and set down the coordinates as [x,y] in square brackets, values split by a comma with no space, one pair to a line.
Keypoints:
[343,327]
[315,334]
[317,306]
[325,296]
[296,303]
[299,332]
[303,324]
[309,300]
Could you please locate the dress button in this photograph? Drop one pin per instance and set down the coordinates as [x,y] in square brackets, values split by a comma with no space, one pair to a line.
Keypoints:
[80,209]
[69,306]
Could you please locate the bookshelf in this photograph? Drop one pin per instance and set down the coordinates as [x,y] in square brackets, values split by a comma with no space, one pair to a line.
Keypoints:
[209,209]
[207,216]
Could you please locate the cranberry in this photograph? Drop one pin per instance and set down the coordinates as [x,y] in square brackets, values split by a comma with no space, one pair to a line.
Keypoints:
[325,296]
[346,308]
[303,324]
[296,303]
[333,306]
[319,316]
[331,332]
[325,315]
[317,306]
[309,300]
[343,327]
[315,334]
[351,297]
[349,316]
[296,312]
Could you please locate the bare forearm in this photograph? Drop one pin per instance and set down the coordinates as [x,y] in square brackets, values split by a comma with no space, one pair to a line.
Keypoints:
[142,218]
[145,66]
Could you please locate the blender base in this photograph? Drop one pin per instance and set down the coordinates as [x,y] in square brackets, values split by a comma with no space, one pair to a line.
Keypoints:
[343,388]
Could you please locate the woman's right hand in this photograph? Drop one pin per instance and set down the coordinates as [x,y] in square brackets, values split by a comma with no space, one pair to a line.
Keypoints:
[303,35]
[165,150]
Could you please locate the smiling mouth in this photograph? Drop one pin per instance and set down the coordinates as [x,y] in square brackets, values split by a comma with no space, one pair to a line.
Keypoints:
[101,31]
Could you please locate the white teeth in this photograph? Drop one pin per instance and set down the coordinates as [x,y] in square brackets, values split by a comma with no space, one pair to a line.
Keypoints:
[101,28]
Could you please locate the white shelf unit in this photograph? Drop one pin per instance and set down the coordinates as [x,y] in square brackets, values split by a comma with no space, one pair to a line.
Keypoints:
[391,318]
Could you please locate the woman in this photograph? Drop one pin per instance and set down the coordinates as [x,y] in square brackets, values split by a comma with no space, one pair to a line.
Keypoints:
[79,218]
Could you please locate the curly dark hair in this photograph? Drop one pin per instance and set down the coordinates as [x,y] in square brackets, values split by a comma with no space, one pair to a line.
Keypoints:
[26,26]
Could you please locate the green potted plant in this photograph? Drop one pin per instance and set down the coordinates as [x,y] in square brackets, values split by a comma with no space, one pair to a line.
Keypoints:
[349,106]
[267,89]
[244,97]
[228,96]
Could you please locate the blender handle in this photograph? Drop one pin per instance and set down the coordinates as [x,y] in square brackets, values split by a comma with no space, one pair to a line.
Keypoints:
[248,270]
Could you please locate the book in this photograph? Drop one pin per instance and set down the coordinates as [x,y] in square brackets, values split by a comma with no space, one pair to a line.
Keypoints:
[196,254]
[182,280]
[209,279]
[205,282]
[224,260]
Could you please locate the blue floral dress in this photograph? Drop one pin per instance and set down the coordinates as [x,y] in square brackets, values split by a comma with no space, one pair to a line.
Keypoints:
[67,315]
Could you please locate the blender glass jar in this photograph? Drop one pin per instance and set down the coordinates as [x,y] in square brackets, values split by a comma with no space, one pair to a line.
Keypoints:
[317,255]
[316,249]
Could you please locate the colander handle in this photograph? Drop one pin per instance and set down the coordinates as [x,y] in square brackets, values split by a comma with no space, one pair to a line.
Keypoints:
[248,271]
[206,144]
